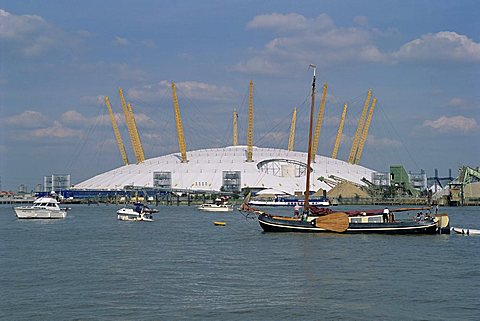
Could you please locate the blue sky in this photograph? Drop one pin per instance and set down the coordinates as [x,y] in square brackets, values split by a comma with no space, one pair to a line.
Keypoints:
[59,58]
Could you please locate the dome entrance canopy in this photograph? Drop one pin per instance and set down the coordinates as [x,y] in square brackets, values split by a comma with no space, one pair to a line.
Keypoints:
[281,167]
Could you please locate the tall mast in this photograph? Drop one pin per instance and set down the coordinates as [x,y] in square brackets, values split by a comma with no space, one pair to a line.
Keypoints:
[309,156]
[178,120]
[128,121]
[339,133]
[365,132]
[235,128]
[358,133]
[141,154]
[316,136]
[291,138]
[250,124]
[121,147]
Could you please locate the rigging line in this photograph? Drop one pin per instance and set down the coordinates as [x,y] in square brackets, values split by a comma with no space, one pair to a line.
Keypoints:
[400,138]
[82,143]
[282,122]
[195,118]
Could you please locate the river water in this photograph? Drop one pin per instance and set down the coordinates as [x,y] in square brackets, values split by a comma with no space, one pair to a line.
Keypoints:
[90,266]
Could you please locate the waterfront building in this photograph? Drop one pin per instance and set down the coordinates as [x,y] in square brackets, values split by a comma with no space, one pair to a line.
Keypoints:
[227,169]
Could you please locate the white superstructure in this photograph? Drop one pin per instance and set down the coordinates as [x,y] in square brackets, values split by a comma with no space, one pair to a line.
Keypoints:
[227,169]
[43,208]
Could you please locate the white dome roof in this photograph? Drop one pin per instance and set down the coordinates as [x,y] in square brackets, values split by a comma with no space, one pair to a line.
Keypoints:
[271,168]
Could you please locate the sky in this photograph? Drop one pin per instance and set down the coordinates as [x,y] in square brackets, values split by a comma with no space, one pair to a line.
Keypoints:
[58,59]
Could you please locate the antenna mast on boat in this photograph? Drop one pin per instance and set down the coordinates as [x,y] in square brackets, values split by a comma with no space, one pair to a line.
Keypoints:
[309,156]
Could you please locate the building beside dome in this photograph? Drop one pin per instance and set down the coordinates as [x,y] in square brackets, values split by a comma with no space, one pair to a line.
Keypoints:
[227,169]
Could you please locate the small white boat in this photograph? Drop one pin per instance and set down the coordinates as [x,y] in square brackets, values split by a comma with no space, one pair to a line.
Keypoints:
[207,207]
[139,213]
[465,231]
[43,208]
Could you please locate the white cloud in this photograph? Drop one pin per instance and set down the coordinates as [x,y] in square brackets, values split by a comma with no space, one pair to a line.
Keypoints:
[73,117]
[456,102]
[57,130]
[381,142]
[302,40]
[439,47]
[298,40]
[149,43]
[191,89]
[126,72]
[119,41]
[28,119]
[361,21]
[263,65]
[96,101]
[453,124]
[29,35]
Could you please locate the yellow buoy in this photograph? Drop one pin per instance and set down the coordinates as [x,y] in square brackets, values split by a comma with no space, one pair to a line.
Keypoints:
[219,223]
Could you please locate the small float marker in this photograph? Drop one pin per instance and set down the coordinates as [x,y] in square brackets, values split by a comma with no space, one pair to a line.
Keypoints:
[219,223]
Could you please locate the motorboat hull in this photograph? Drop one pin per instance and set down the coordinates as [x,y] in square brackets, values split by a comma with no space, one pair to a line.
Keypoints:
[272,224]
[128,214]
[39,213]
[215,208]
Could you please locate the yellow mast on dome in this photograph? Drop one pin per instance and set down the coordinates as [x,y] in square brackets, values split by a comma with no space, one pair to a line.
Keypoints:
[121,147]
[291,138]
[178,120]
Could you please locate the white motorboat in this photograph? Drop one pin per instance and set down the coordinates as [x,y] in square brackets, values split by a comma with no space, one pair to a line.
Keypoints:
[42,208]
[139,213]
[210,207]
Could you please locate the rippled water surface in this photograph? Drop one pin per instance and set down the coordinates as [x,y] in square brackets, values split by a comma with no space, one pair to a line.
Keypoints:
[90,266]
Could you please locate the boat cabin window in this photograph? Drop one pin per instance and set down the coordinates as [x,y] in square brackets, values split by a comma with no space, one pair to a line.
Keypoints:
[375,219]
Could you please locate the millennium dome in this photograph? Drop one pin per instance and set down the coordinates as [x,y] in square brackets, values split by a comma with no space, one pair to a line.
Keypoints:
[227,169]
